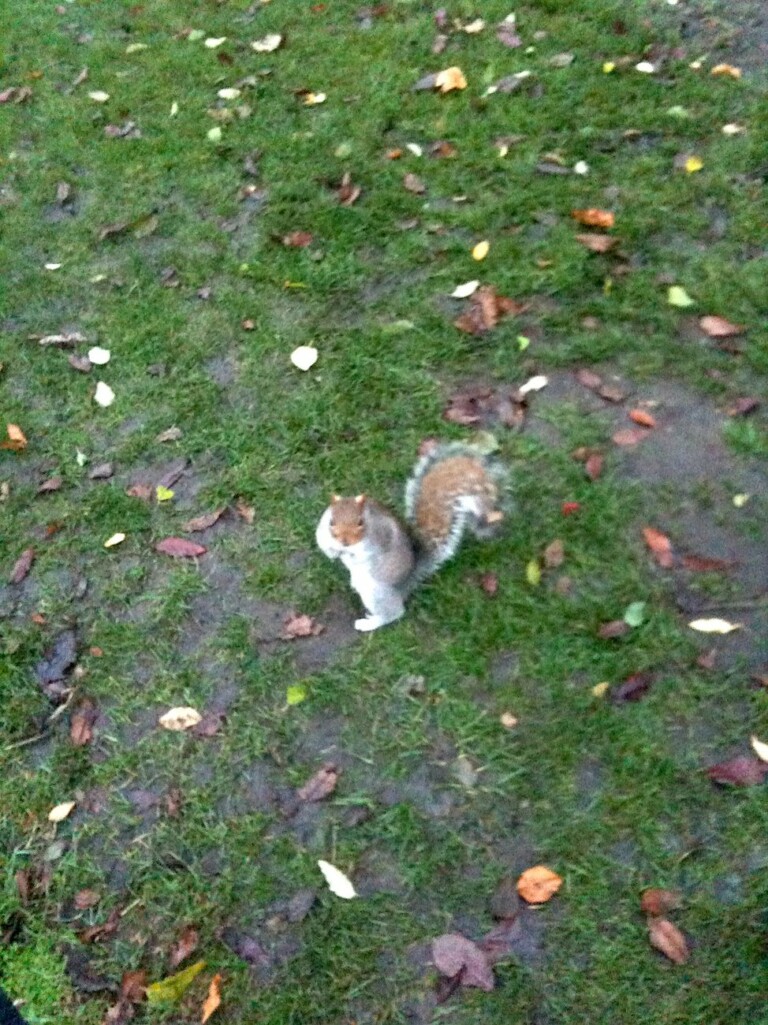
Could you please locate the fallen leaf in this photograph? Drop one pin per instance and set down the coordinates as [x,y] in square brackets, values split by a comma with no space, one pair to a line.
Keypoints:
[633,688]
[180,547]
[213,999]
[634,614]
[299,625]
[348,193]
[693,164]
[486,308]
[659,902]
[268,44]
[115,539]
[295,694]
[660,545]
[714,626]
[103,396]
[64,340]
[601,689]
[615,628]
[628,436]
[338,883]
[101,930]
[719,327]
[562,60]
[244,511]
[535,383]
[611,393]
[506,33]
[99,356]
[677,296]
[702,564]
[666,937]
[82,722]
[298,239]
[413,183]
[304,357]
[538,884]
[16,438]
[61,811]
[554,554]
[180,718]
[171,434]
[597,243]
[163,494]
[594,218]
[450,79]
[593,466]
[533,573]
[760,748]
[481,250]
[569,508]
[320,785]
[726,69]
[185,945]
[707,660]
[588,378]
[52,484]
[22,566]
[454,955]
[489,583]
[642,417]
[204,521]
[80,363]
[169,990]
[743,406]
[508,720]
[98,96]
[56,662]
[741,771]
[85,899]
[466,290]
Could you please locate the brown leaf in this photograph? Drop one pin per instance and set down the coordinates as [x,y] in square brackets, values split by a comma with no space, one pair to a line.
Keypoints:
[719,327]
[454,953]
[588,378]
[660,546]
[101,931]
[320,785]
[348,193]
[204,521]
[489,583]
[702,564]
[173,801]
[611,393]
[629,436]
[82,722]
[180,547]
[659,902]
[594,218]
[633,688]
[593,467]
[443,149]
[185,945]
[596,243]
[507,35]
[86,899]
[743,406]
[615,628]
[298,625]
[298,239]
[80,363]
[666,937]
[485,310]
[413,183]
[142,491]
[52,484]
[742,771]
[213,999]
[133,986]
[554,554]
[538,884]
[172,473]
[640,416]
[707,660]
[209,725]
[22,566]
[439,43]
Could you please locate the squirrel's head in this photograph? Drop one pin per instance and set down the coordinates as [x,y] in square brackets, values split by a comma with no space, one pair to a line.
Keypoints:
[347,519]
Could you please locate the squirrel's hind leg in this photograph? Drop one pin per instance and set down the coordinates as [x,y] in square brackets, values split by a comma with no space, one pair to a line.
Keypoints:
[383,603]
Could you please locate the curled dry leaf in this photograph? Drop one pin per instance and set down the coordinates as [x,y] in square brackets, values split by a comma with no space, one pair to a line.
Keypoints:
[659,902]
[213,999]
[449,79]
[594,218]
[22,566]
[633,688]
[660,546]
[742,771]
[666,937]
[180,547]
[180,718]
[82,723]
[486,308]
[538,884]
[347,192]
[414,184]
[321,784]
[454,954]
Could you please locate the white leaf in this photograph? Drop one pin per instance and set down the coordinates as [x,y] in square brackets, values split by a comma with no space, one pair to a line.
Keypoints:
[338,883]
[465,290]
[312,99]
[52,266]
[116,539]
[760,748]
[474,26]
[61,811]
[413,147]
[211,43]
[181,718]
[582,167]
[103,396]
[733,129]
[98,355]
[304,357]
[740,500]
[267,44]
[229,94]
[535,384]
[98,96]
[646,67]
[214,134]
[714,626]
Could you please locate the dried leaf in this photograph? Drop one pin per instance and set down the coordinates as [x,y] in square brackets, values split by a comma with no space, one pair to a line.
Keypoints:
[304,357]
[486,308]
[466,290]
[538,884]
[299,625]
[659,902]
[171,434]
[454,954]
[268,44]
[320,785]
[642,417]
[760,748]
[82,722]
[450,79]
[102,930]
[666,937]
[244,511]
[169,990]
[554,554]
[413,183]
[348,193]
[714,626]
[80,363]
[16,441]
[742,771]
[489,583]
[597,243]
[743,406]
[85,899]
[588,378]
[213,999]
[702,564]
[180,718]
[660,546]
[61,811]
[633,688]
[719,327]
[204,521]
[726,69]
[594,218]
[593,466]
[22,566]
[298,239]
[481,250]
[184,946]
[615,628]
[180,547]
[338,883]
[628,436]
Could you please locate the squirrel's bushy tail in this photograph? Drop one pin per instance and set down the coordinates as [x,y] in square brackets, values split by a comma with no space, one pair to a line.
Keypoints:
[454,488]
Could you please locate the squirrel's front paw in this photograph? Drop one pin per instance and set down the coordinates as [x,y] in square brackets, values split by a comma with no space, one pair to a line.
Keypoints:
[368,624]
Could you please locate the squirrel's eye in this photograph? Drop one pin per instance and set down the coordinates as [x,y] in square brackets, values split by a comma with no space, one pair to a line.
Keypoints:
[360,522]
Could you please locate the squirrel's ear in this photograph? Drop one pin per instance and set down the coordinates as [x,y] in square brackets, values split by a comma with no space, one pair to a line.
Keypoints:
[335,499]
[360,500]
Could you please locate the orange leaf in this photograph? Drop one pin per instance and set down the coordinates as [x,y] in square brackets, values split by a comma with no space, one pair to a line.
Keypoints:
[641,417]
[539,884]
[16,439]
[213,1000]
[666,937]
[658,902]
[594,218]
[660,545]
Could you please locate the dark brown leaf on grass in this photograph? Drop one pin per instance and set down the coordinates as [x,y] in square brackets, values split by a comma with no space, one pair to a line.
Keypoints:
[81,972]
[347,192]
[82,722]
[611,393]
[489,583]
[22,566]
[454,953]
[321,784]
[301,904]
[103,930]
[593,467]
[742,771]
[412,183]
[443,149]
[666,937]
[660,546]
[204,521]
[615,628]
[486,308]
[743,406]
[172,473]
[633,688]
[596,243]
[133,989]
[86,899]
[659,902]
[702,564]
[298,239]
[185,945]
[554,554]
[180,548]
[298,625]
[719,327]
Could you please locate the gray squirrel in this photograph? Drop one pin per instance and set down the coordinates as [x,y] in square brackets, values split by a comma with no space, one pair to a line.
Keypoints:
[454,488]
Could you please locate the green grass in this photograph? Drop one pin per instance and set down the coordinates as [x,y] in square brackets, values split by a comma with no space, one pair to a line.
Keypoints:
[611,796]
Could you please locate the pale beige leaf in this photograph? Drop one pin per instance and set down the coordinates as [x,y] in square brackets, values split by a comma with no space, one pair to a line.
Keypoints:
[180,718]
[61,811]
[338,883]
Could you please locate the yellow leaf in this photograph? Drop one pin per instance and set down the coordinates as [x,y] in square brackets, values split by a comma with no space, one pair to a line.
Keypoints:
[740,500]
[608,67]
[295,694]
[163,494]
[481,250]
[677,296]
[180,718]
[169,990]
[600,689]
[312,99]
[16,438]
[450,78]
[693,164]
[533,573]
[726,69]
[213,1000]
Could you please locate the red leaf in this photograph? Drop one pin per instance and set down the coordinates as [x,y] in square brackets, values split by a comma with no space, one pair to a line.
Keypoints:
[568,508]
[702,564]
[454,953]
[184,946]
[320,785]
[660,545]
[719,327]
[22,566]
[742,771]
[180,547]
[298,239]
[594,466]
[743,406]
[640,416]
